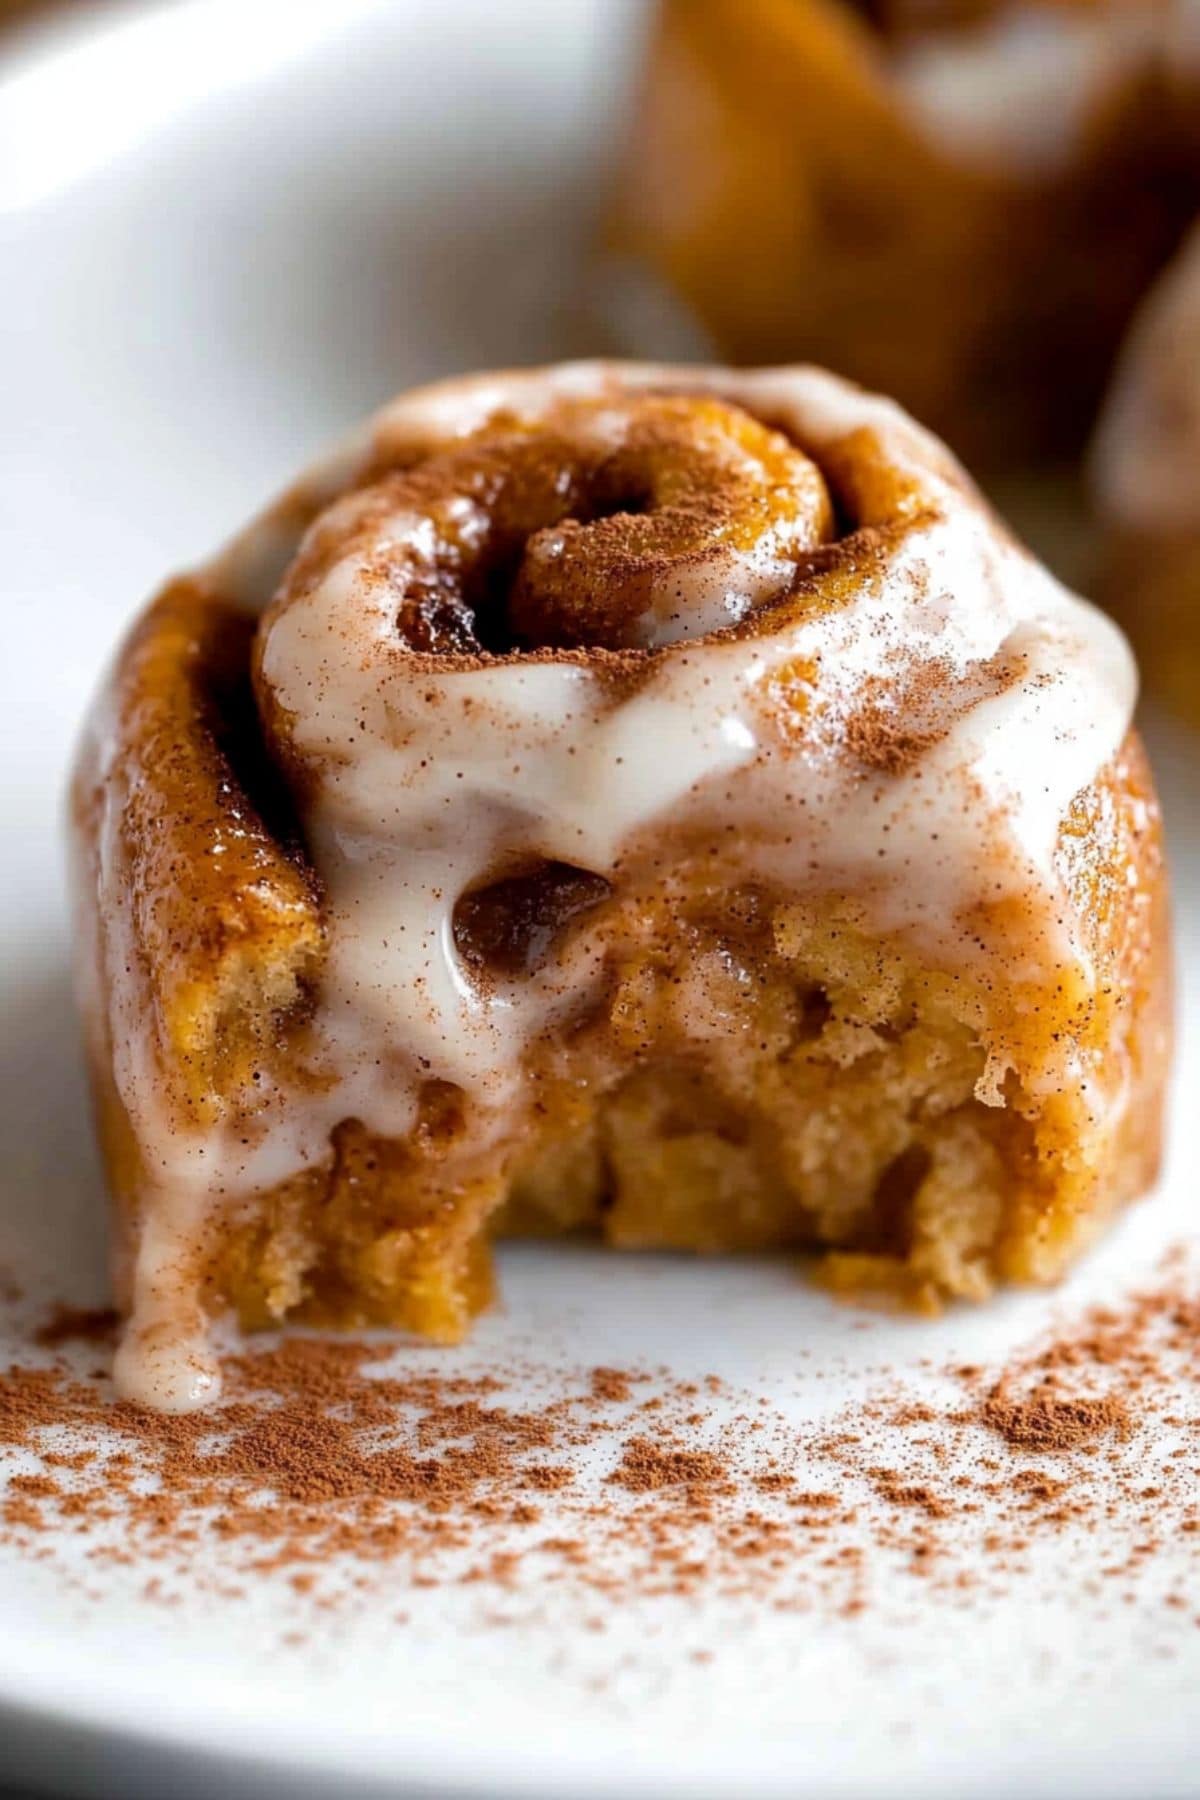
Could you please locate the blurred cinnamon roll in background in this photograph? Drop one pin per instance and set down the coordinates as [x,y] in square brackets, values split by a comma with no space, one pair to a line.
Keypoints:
[1145,468]
[959,202]
[660,802]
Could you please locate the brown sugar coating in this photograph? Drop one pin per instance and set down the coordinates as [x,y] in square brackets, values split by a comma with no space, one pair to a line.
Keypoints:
[514,925]
[721,1036]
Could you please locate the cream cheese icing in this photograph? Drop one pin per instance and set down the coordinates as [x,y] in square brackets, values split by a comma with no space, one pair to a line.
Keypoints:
[423,777]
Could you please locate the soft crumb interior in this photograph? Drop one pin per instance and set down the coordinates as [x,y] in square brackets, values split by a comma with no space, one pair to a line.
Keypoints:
[782,1082]
[824,1098]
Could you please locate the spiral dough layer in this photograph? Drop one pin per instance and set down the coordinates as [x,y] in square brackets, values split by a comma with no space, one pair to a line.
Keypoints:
[593,623]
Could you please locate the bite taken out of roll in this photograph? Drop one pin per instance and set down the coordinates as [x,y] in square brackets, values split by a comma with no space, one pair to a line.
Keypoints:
[660,802]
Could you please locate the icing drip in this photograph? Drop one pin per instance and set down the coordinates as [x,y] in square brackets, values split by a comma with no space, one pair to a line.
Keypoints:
[613,622]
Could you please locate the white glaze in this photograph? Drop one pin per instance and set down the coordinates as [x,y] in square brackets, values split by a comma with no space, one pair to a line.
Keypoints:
[1019,92]
[430,777]
[1146,458]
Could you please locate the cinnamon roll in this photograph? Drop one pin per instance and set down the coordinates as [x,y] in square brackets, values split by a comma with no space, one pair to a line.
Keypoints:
[1146,482]
[958,202]
[654,801]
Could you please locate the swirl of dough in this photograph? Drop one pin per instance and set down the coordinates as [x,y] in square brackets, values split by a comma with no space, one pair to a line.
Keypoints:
[530,645]
[552,614]
[437,663]
[567,533]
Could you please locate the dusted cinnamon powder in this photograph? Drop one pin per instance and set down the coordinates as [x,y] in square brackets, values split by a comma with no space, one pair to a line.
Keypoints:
[611,1384]
[645,1468]
[897,720]
[1049,1420]
[330,1456]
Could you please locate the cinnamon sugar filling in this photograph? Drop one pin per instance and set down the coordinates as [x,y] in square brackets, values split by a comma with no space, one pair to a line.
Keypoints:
[681,779]
[570,535]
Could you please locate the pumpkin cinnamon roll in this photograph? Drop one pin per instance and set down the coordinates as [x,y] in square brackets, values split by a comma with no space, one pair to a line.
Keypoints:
[651,801]
[1146,482]
[958,202]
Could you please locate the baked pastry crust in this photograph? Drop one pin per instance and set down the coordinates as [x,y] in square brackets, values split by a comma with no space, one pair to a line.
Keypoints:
[916,193]
[651,801]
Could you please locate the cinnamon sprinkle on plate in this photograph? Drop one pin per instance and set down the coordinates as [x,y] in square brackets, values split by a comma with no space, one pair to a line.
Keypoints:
[330,1458]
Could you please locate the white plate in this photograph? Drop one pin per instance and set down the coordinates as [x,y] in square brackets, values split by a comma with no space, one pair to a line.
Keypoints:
[228,230]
